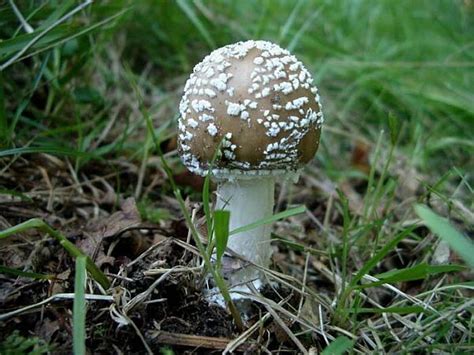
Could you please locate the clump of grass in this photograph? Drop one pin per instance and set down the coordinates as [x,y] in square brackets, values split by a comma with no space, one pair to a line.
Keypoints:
[17,344]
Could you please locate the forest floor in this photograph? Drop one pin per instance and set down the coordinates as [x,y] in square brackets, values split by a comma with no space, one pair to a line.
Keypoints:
[377,262]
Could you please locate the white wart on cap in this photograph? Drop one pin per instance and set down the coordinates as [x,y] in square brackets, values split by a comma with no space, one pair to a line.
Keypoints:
[260,101]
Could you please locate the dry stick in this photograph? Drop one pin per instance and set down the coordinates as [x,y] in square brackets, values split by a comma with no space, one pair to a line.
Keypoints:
[195,341]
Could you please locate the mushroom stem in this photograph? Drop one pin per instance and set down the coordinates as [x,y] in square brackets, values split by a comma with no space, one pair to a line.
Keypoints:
[248,200]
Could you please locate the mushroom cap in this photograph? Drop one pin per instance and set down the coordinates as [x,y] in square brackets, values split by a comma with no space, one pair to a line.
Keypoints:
[256,102]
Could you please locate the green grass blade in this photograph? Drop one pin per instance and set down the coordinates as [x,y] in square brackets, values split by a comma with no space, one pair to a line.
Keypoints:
[206,205]
[4,136]
[369,265]
[285,29]
[206,200]
[444,230]
[397,310]
[339,346]
[10,46]
[276,217]
[221,225]
[38,35]
[25,102]
[15,48]
[55,150]
[79,308]
[191,14]
[298,246]
[31,275]
[58,12]
[394,128]
[20,195]
[417,272]
[306,25]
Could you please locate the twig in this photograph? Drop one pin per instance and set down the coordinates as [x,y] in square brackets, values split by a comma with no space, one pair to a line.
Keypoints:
[195,341]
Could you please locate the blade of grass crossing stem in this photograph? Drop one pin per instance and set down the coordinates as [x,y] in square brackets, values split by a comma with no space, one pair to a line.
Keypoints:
[221,225]
[202,250]
[31,275]
[206,200]
[36,223]
[206,206]
[276,217]
[339,346]
[444,230]
[79,308]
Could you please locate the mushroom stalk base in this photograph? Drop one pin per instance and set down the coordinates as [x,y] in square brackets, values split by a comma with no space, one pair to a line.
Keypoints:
[248,200]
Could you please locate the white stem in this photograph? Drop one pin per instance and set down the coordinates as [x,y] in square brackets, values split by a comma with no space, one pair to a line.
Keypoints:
[248,200]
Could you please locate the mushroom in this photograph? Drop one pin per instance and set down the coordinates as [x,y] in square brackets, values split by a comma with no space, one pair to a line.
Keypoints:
[258,103]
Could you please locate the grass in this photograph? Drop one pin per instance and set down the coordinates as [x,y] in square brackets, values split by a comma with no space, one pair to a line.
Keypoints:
[79,307]
[393,172]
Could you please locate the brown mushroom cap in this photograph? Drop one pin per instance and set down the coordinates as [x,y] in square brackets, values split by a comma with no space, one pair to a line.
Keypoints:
[258,100]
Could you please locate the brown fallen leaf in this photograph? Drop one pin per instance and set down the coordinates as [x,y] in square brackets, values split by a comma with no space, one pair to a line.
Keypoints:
[360,157]
[47,328]
[196,341]
[127,218]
